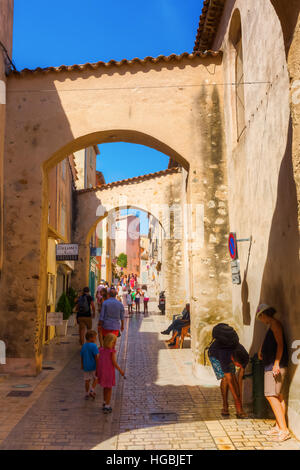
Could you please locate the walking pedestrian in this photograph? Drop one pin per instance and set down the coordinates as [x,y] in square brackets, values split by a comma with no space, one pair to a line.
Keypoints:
[120,290]
[145,299]
[84,316]
[274,354]
[129,301]
[89,358]
[111,319]
[137,301]
[106,370]
[124,296]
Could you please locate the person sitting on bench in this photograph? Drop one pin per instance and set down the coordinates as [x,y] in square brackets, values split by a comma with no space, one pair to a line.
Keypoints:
[177,325]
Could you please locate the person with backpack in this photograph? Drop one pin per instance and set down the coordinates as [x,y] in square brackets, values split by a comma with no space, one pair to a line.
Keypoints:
[225,353]
[111,319]
[84,316]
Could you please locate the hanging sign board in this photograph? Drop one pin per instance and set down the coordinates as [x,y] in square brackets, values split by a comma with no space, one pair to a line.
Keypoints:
[54,318]
[67,252]
[232,246]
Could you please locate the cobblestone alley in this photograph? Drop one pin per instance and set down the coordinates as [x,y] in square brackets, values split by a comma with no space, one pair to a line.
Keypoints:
[158,406]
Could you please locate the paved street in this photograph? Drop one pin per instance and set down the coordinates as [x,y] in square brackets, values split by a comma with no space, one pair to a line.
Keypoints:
[158,406]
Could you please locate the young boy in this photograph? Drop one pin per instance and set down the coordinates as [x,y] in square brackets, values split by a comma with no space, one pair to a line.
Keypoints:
[89,360]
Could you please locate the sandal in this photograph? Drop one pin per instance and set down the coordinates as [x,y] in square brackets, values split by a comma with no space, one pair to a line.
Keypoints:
[241,415]
[92,395]
[107,409]
[225,413]
[274,431]
[282,436]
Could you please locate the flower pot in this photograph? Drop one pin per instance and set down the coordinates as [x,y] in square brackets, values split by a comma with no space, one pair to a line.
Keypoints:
[61,330]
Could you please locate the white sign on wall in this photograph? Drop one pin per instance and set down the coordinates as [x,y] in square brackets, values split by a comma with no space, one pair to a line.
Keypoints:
[67,252]
[54,318]
[236,272]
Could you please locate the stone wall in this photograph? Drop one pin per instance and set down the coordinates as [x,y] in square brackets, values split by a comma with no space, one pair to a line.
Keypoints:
[262,194]
[293,280]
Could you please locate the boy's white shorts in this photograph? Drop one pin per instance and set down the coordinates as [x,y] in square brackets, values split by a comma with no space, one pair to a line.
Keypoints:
[91,375]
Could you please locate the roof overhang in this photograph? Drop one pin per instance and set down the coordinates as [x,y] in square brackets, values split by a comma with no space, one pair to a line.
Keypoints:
[208,25]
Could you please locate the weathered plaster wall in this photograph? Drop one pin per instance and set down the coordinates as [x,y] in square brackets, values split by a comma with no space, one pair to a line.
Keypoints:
[262,195]
[207,188]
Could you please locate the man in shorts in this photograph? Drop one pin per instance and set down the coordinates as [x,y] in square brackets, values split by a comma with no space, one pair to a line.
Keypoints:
[111,319]
[223,361]
[84,315]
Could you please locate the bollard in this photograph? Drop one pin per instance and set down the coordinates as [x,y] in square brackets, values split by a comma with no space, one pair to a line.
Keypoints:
[261,408]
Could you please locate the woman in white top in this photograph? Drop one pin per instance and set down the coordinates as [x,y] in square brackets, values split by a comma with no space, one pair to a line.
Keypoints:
[129,301]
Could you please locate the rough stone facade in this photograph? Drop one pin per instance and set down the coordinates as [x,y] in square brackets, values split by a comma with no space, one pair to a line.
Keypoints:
[261,39]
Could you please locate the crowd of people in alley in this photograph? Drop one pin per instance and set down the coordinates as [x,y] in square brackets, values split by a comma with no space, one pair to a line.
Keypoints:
[226,353]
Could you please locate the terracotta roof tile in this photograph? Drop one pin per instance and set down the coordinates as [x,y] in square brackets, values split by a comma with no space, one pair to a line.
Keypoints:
[208,24]
[134,180]
[114,63]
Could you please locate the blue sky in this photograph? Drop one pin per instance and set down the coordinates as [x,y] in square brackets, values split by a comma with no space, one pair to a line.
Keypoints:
[56,32]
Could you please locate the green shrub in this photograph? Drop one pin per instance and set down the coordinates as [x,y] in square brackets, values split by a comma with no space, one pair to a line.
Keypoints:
[122,260]
[64,306]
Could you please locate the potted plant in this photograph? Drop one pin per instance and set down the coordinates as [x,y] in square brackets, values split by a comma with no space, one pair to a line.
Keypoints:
[72,296]
[63,306]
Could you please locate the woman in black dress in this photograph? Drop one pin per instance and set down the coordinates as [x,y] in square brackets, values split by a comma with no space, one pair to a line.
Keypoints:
[274,354]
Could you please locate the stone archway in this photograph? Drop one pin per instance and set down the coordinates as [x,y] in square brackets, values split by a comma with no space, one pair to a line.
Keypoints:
[159,194]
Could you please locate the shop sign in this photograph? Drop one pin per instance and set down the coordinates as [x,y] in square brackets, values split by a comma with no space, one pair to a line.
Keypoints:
[95,251]
[54,318]
[66,252]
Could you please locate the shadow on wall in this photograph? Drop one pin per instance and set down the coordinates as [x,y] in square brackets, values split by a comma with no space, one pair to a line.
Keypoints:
[280,283]
[288,13]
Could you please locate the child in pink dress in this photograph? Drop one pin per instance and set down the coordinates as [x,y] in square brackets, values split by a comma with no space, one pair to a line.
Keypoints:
[106,369]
